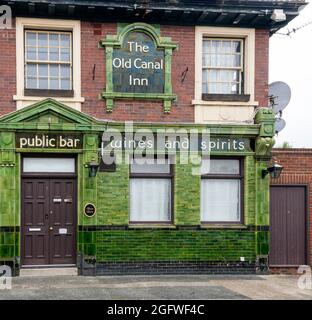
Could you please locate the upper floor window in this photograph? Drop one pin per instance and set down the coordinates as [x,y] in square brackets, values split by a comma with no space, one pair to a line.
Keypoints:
[48,60]
[222,66]
[224,72]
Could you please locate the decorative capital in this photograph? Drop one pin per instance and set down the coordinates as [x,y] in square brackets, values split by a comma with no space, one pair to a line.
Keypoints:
[265,142]
[266,118]
[7,146]
[264,147]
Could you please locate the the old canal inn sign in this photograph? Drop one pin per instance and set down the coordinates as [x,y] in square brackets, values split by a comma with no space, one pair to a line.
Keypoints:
[138,65]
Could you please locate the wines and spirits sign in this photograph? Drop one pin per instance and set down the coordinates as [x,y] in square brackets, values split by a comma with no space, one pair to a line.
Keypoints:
[138,65]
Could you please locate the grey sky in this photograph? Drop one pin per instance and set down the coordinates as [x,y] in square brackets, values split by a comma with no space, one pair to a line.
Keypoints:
[291,62]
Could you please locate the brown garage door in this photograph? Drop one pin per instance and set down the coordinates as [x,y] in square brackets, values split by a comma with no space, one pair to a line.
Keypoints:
[288,226]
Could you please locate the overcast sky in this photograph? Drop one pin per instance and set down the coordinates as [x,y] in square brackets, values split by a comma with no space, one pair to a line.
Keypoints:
[291,62]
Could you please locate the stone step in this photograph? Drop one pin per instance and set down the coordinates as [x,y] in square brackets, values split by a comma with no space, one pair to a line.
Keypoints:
[46,272]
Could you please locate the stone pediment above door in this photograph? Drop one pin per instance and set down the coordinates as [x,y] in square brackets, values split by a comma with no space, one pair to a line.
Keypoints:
[47,113]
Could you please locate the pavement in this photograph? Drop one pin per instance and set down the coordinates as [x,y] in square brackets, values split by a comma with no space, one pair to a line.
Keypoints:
[164,287]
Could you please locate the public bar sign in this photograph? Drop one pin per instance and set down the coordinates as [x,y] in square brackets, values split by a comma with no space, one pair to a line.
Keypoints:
[138,66]
[48,141]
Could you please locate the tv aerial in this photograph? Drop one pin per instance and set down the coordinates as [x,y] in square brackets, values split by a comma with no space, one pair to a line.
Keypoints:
[279,97]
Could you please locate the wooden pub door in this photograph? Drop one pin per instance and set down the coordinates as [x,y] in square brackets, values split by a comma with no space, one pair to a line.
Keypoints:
[48,223]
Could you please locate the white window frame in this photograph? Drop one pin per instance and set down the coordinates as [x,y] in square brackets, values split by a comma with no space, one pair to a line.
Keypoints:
[207,176]
[248,35]
[240,68]
[72,26]
[49,62]
[153,176]
[49,165]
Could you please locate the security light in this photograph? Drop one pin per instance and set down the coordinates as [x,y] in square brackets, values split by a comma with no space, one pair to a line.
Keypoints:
[278,15]
[275,171]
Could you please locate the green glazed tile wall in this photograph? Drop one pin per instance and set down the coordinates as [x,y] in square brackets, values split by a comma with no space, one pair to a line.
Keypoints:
[9,245]
[8,186]
[186,196]
[262,195]
[263,242]
[171,245]
[156,244]
[110,193]
[113,196]
[249,190]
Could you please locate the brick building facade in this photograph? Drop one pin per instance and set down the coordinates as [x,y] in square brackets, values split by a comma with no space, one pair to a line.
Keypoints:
[92,33]
[63,92]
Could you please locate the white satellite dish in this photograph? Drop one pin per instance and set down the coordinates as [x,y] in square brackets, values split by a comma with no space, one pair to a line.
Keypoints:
[279,96]
[279,124]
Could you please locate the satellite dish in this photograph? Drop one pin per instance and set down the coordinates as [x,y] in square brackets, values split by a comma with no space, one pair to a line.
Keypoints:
[279,124]
[279,95]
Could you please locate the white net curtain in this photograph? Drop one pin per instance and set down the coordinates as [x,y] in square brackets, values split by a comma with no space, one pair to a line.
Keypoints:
[222,66]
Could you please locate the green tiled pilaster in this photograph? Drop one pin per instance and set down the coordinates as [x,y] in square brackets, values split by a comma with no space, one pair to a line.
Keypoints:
[88,185]
[8,186]
[263,242]
[262,195]
[186,195]
[113,196]
[249,190]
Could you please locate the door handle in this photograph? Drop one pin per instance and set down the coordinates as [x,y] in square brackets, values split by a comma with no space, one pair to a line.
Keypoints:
[34,229]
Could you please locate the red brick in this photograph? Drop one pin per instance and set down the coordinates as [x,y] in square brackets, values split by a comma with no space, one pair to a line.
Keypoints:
[91,55]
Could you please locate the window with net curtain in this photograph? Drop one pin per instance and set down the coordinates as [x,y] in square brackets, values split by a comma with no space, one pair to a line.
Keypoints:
[150,192]
[221,190]
[48,60]
[222,66]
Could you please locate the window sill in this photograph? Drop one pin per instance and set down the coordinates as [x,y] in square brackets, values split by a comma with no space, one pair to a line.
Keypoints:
[223,226]
[151,226]
[39,98]
[49,93]
[221,103]
[226,97]
[24,101]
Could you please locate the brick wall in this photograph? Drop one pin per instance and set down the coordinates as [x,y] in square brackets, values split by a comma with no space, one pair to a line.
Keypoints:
[93,82]
[7,70]
[297,170]
[183,57]
[262,67]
